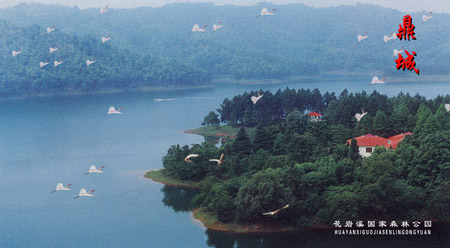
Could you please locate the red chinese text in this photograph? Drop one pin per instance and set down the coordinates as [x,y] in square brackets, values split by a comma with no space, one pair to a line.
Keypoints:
[407,63]
[407,31]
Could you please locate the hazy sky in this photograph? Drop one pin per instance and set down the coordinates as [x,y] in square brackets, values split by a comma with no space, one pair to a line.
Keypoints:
[403,5]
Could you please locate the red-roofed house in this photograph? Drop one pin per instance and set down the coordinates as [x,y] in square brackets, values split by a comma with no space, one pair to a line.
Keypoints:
[368,142]
[314,116]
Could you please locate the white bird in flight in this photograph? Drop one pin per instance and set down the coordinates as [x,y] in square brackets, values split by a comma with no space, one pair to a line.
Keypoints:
[187,159]
[375,80]
[447,107]
[60,186]
[196,28]
[42,64]
[112,110]
[276,211]
[360,37]
[218,161]
[392,37]
[397,52]
[256,99]
[264,12]
[84,193]
[104,10]
[360,116]
[426,17]
[94,169]
[56,63]
[49,30]
[53,49]
[90,62]
[105,39]
[215,27]
[15,53]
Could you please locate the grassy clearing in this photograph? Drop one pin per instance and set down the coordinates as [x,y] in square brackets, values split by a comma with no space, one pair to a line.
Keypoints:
[158,176]
[220,131]
[206,218]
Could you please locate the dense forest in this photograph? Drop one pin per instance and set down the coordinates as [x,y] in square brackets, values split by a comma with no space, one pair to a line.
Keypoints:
[114,67]
[308,165]
[297,40]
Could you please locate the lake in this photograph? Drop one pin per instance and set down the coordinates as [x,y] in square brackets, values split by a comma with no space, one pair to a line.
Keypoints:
[48,140]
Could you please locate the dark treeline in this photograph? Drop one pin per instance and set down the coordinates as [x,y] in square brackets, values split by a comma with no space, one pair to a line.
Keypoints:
[114,68]
[387,116]
[297,40]
[308,165]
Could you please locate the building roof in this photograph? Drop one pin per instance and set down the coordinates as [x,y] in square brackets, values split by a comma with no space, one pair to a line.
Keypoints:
[394,140]
[314,114]
[373,140]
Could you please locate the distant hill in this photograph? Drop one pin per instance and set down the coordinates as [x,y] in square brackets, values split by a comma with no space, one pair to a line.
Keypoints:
[297,40]
[114,68]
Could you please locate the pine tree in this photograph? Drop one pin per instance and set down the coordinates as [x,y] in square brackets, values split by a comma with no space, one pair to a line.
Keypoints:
[261,139]
[249,119]
[242,145]
[354,150]
[381,124]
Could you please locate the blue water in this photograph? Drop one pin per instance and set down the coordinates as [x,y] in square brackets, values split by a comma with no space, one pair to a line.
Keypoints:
[48,140]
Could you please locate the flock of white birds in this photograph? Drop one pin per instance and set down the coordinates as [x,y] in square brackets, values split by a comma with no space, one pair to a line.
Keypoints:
[195,28]
[55,48]
[111,110]
[254,99]
[92,169]
[83,192]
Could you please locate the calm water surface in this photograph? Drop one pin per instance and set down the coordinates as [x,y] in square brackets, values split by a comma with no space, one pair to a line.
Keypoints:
[44,141]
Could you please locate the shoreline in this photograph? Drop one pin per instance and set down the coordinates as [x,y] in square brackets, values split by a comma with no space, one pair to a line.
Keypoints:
[273,81]
[203,216]
[223,131]
[208,220]
[157,176]
[104,92]
[224,81]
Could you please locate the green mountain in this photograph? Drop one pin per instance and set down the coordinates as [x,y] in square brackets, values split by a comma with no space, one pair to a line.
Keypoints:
[297,40]
[114,67]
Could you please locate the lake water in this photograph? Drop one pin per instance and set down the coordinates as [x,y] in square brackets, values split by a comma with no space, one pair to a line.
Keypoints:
[44,141]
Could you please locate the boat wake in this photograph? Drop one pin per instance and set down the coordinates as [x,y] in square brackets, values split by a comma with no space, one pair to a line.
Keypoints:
[162,99]
[181,99]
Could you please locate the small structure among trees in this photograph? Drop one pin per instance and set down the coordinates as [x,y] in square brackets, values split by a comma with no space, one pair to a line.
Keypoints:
[368,142]
[314,116]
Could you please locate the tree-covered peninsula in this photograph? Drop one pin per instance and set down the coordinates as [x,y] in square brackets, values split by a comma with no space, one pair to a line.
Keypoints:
[315,165]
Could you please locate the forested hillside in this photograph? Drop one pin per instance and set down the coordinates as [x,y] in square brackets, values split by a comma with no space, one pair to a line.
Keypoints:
[308,165]
[114,67]
[297,40]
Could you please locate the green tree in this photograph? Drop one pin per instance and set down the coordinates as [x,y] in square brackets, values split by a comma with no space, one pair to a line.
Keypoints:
[242,145]
[345,171]
[263,192]
[217,200]
[212,119]
[354,150]
[432,161]
[342,203]
[261,139]
[381,124]
[438,204]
